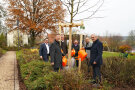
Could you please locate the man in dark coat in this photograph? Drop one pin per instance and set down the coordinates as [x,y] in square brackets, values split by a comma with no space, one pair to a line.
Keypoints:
[76,47]
[44,50]
[96,57]
[56,54]
[64,45]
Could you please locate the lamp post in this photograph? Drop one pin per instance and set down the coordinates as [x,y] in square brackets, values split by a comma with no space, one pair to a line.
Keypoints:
[18,32]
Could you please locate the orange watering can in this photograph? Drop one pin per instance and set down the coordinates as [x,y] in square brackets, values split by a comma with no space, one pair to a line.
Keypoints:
[64,61]
[82,54]
[73,52]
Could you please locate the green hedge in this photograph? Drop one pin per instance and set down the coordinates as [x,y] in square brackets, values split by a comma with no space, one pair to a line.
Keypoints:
[119,72]
[38,75]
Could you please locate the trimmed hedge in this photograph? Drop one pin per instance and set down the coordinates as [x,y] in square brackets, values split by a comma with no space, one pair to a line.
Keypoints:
[119,72]
[39,75]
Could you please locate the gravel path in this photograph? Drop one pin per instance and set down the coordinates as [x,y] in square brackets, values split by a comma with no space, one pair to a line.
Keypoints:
[9,72]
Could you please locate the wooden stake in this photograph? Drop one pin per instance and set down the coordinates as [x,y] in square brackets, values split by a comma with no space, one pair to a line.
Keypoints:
[70,46]
[60,32]
[70,25]
[79,69]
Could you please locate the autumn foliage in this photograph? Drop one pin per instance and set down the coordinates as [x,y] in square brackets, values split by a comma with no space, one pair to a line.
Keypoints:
[124,48]
[35,16]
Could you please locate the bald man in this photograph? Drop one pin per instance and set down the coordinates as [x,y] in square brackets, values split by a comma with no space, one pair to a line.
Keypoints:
[96,58]
[56,54]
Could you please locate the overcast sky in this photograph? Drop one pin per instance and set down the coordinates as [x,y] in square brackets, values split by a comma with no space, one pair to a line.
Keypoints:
[119,18]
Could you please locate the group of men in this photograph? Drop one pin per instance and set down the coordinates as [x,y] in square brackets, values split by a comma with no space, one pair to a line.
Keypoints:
[58,49]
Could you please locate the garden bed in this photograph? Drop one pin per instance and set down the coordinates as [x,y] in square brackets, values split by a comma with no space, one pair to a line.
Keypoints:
[35,74]
[21,81]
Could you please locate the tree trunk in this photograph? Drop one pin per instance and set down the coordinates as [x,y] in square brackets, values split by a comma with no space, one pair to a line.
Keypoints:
[32,38]
[70,35]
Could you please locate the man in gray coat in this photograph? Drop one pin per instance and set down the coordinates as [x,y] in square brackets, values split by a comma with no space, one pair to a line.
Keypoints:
[87,44]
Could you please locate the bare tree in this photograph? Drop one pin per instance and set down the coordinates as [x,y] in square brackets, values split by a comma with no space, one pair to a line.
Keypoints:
[115,41]
[76,7]
[131,38]
[112,41]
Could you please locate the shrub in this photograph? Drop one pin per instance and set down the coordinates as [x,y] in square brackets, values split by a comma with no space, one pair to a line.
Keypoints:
[33,73]
[119,72]
[38,75]
[124,48]
[1,52]
[3,40]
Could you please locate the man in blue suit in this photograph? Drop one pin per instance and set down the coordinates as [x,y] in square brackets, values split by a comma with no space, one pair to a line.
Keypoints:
[96,57]
[44,50]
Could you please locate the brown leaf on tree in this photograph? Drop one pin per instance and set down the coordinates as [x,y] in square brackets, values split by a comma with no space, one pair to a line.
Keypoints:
[35,16]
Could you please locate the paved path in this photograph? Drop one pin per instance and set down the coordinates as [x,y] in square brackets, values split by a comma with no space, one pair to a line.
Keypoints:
[8,72]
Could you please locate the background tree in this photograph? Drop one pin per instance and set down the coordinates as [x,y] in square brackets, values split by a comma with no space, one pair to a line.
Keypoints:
[112,41]
[78,7]
[35,16]
[2,18]
[74,8]
[115,41]
[131,38]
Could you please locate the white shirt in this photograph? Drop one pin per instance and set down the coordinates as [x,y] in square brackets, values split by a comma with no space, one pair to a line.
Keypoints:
[47,46]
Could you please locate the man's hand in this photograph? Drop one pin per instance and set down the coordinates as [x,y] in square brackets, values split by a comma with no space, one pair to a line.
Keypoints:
[52,63]
[94,62]
[41,57]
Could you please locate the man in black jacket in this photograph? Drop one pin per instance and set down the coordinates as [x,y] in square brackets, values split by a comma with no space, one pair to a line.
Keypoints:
[64,45]
[76,47]
[96,57]
[56,54]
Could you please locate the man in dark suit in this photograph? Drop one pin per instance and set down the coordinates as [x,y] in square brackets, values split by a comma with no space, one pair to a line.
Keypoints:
[56,54]
[64,45]
[96,57]
[76,47]
[44,50]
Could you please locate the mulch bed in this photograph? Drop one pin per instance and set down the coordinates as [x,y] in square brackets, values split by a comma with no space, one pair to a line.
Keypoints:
[21,82]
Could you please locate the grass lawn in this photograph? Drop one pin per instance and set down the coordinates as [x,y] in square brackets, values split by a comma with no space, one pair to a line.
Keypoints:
[115,54]
[131,57]
[110,54]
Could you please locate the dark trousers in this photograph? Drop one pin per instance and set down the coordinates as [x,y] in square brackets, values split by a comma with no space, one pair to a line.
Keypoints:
[56,69]
[88,64]
[77,63]
[96,73]
[87,61]
[47,58]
